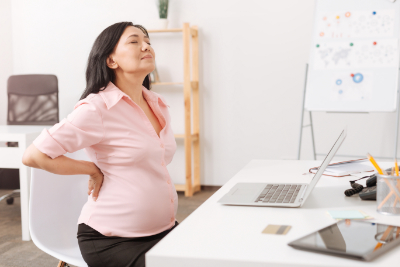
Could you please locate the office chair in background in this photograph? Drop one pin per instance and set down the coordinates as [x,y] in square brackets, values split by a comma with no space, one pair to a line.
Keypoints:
[32,100]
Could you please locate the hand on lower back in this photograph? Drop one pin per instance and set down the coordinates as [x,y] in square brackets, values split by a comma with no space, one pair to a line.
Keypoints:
[95,182]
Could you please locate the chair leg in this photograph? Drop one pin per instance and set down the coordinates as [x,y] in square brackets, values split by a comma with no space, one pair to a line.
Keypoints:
[61,264]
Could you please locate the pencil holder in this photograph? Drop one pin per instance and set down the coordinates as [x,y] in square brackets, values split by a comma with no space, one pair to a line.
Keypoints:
[388,194]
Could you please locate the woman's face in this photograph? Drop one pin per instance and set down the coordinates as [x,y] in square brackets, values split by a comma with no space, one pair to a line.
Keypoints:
[133,53]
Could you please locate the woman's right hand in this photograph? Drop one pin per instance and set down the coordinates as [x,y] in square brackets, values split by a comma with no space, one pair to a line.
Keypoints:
[95,182]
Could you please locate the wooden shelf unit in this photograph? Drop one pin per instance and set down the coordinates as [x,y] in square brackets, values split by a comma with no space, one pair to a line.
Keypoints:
[191,96]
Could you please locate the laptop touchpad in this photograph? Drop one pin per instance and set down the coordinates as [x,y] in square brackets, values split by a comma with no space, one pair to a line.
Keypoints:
[245,191]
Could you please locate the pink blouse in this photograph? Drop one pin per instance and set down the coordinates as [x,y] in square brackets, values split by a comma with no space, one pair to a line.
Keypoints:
[137,197]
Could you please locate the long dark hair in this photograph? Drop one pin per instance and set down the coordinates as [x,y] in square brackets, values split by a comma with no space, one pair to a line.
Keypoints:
[98,74]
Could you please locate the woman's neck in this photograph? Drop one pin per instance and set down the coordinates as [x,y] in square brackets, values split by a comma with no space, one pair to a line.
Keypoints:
[132,86]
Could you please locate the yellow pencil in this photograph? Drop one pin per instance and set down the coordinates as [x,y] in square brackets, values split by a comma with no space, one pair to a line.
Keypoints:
[385,236]
[398,186]
[375,164]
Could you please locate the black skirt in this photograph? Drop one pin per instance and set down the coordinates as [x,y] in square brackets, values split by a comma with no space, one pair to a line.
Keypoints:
[101,251]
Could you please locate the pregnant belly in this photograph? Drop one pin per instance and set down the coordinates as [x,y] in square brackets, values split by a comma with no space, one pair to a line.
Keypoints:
[134,208]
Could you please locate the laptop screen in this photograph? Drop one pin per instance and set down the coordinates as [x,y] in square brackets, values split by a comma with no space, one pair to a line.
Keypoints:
[325,163]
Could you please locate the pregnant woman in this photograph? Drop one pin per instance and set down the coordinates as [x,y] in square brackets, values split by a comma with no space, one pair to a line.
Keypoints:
[126,131]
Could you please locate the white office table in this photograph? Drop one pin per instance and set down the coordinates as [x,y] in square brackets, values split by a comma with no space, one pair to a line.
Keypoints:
[11,157]
[217,235]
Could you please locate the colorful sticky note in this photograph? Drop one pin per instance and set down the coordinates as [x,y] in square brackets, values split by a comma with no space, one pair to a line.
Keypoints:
[346,214]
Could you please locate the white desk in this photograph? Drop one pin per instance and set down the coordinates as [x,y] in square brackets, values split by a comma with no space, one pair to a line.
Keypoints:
[222,236]
[11,157]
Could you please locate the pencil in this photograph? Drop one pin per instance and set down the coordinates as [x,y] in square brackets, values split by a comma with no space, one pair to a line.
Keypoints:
[385,236]
[389,195]
[386,199]
[396,166]
[375,164]
[378,246]
[380,171]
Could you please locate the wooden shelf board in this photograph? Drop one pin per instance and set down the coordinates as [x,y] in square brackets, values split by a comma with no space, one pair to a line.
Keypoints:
[179,187]
[194,136]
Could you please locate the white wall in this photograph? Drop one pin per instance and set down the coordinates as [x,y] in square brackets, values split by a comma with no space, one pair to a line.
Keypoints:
[6,62]
[252,66]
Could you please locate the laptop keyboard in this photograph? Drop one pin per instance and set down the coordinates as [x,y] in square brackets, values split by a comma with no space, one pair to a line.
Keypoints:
[279,193]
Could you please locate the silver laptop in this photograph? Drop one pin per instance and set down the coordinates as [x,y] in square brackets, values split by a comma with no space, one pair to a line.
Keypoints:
[278,194]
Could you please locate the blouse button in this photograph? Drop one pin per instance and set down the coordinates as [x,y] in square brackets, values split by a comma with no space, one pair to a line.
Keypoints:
[162,145]
[162,163]
[169,182]
[172,200]
[172,219]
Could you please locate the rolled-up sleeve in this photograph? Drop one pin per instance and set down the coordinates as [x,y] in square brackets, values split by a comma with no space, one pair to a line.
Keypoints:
[82,128]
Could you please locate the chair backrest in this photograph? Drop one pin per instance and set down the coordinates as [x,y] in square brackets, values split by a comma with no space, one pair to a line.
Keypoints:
[32,100]
[55,205]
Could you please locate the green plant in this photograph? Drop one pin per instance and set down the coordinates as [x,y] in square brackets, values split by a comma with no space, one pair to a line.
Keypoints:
[163,8]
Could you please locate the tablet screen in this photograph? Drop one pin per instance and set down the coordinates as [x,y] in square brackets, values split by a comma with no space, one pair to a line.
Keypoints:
[351,237]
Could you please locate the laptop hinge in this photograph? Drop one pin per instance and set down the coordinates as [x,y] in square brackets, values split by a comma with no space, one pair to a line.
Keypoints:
[302,195]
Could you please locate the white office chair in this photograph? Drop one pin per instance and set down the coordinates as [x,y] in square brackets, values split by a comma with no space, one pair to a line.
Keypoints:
[55,205]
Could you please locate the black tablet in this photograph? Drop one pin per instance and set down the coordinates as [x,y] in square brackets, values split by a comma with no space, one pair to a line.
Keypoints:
[360,240]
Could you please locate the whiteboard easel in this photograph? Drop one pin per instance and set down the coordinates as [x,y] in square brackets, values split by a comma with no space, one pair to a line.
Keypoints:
[354,60]
[396,136]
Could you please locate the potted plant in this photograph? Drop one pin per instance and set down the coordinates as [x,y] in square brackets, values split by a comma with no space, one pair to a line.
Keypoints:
[163,13]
